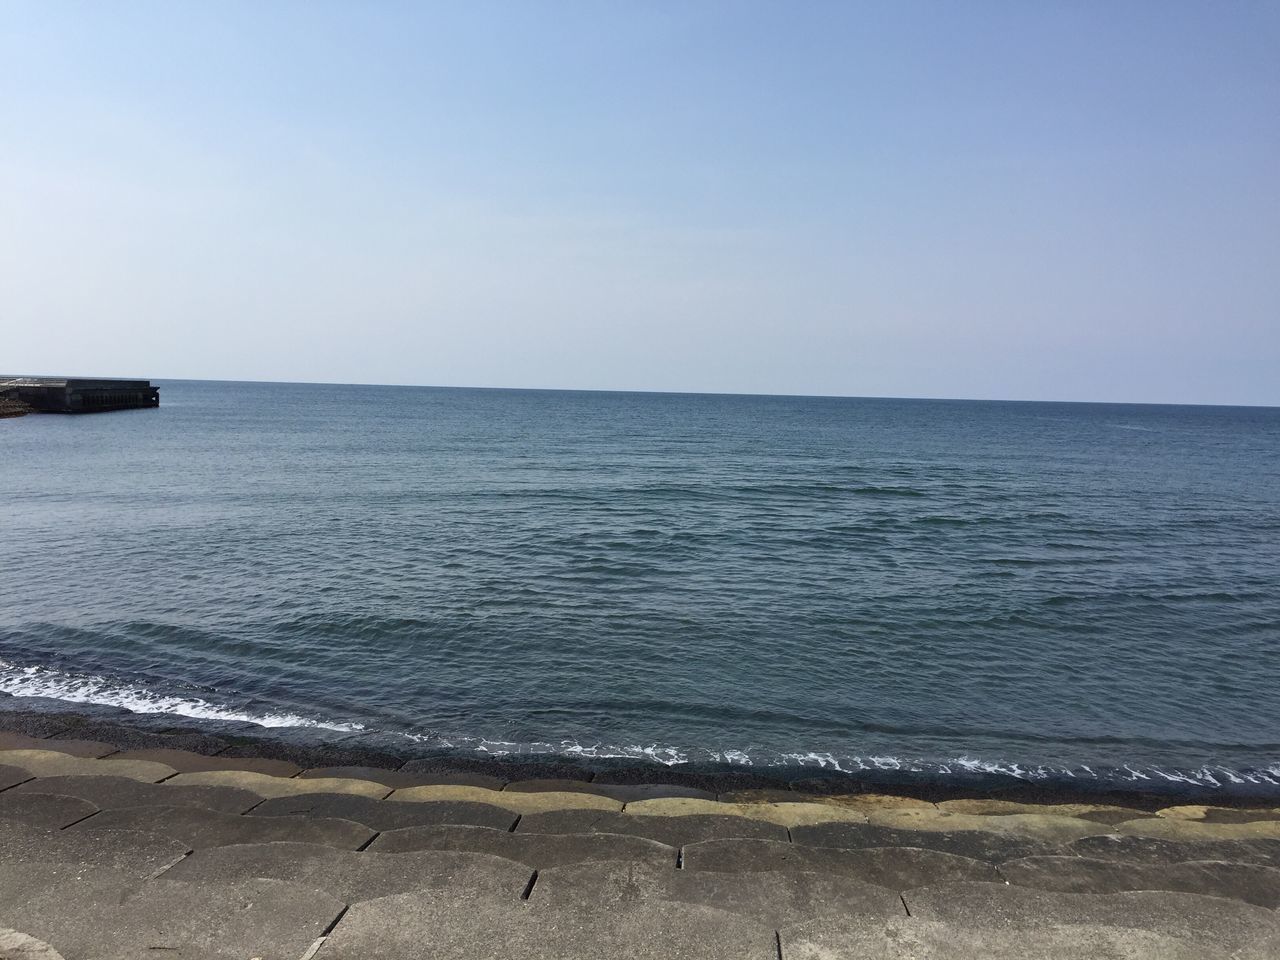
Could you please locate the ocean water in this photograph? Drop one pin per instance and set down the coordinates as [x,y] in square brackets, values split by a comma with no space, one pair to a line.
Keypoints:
[1042,591]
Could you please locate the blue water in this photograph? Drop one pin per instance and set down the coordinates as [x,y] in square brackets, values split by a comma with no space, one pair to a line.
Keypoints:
[1047,590]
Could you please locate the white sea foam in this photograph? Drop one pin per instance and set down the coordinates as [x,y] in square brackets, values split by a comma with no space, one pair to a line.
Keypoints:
[34,681]
[86,688]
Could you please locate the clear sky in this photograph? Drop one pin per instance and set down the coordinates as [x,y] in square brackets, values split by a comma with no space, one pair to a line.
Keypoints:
[1026,200]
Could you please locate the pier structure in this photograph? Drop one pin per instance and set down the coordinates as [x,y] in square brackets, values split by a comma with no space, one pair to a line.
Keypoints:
[79,394]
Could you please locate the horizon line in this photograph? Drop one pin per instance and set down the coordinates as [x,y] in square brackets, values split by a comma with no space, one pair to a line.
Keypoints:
[718,393]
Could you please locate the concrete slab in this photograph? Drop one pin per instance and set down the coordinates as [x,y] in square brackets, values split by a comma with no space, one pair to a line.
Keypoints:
[559,785]
[413,925]
[186,761]
[863,803]
[514,801]
[1233,881]
[391,779]
[673,831]
[1093,812]
[44,810]
[50,763]
[383,815]
[447,774]
[12,776]
[783,814]
[111,793]
[104,916]
[36,723]
[352,877]
[974,844]
[1193,830]
[268,786]
[132,853]
[712,781]
[90,749]
[842,938]
[490,768]
[199,828]
[310,754]
[1210,814]
[539,851]
[1053,829]
[1208,922]
[635,792]
[772,898]
[1156,850]
[897,868]
[18,946]
[132,736]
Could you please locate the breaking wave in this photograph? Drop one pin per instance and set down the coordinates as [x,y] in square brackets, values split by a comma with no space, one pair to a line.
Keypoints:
[35,681]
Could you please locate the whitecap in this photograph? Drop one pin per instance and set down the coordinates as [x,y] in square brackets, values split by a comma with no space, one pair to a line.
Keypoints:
[87,688]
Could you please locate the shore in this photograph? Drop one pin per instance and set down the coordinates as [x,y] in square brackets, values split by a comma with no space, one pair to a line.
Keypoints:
[122,836]
[310,748]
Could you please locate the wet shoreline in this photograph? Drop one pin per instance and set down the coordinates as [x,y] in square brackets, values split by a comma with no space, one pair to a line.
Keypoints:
[310,748]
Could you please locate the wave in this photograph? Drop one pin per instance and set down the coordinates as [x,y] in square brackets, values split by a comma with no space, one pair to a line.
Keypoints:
[33,681]
[50,683]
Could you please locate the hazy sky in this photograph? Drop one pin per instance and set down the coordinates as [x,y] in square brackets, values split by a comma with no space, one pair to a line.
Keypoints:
[1024,199]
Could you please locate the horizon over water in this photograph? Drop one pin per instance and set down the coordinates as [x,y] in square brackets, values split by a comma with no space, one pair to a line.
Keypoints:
[1050,591]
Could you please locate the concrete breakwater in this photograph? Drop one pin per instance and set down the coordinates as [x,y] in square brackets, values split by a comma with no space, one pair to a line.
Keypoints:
[20,395]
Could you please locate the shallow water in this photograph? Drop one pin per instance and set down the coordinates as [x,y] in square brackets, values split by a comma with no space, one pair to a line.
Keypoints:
[1048,590]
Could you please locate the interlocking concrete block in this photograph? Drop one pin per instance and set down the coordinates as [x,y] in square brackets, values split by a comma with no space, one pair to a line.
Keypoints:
[12,776]
[187,761]
[863,803]
[50,763]
[1157,850]
[447,773]
[51,812]
[416,925]
[129,852]
[515,801]
[96,914]
[1248,883]
[89,749]
[199,828]
[673,831]
[1049,828]
[974,844]
[850,938]
[897,868]
[539,851]
[18,946]
[132,735]
[784,814]
[1210,814]
[112,793]
[352,877]
[1168,828]
[772,898]
[268,786]
[1210,922]
[1093,812]
[391,779]
[384,815]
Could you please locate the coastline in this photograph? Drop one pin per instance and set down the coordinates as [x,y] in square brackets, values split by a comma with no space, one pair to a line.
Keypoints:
[398,758]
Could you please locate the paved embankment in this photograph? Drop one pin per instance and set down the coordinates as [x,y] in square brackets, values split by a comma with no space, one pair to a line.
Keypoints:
[175,848]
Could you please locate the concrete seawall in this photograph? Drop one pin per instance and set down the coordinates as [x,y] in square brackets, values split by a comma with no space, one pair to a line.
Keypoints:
[78,395]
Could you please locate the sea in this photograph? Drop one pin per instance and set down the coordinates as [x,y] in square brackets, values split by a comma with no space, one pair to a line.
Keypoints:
[1055,593]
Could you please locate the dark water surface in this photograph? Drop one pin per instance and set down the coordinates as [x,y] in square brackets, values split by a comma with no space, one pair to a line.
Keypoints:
[1048,590]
